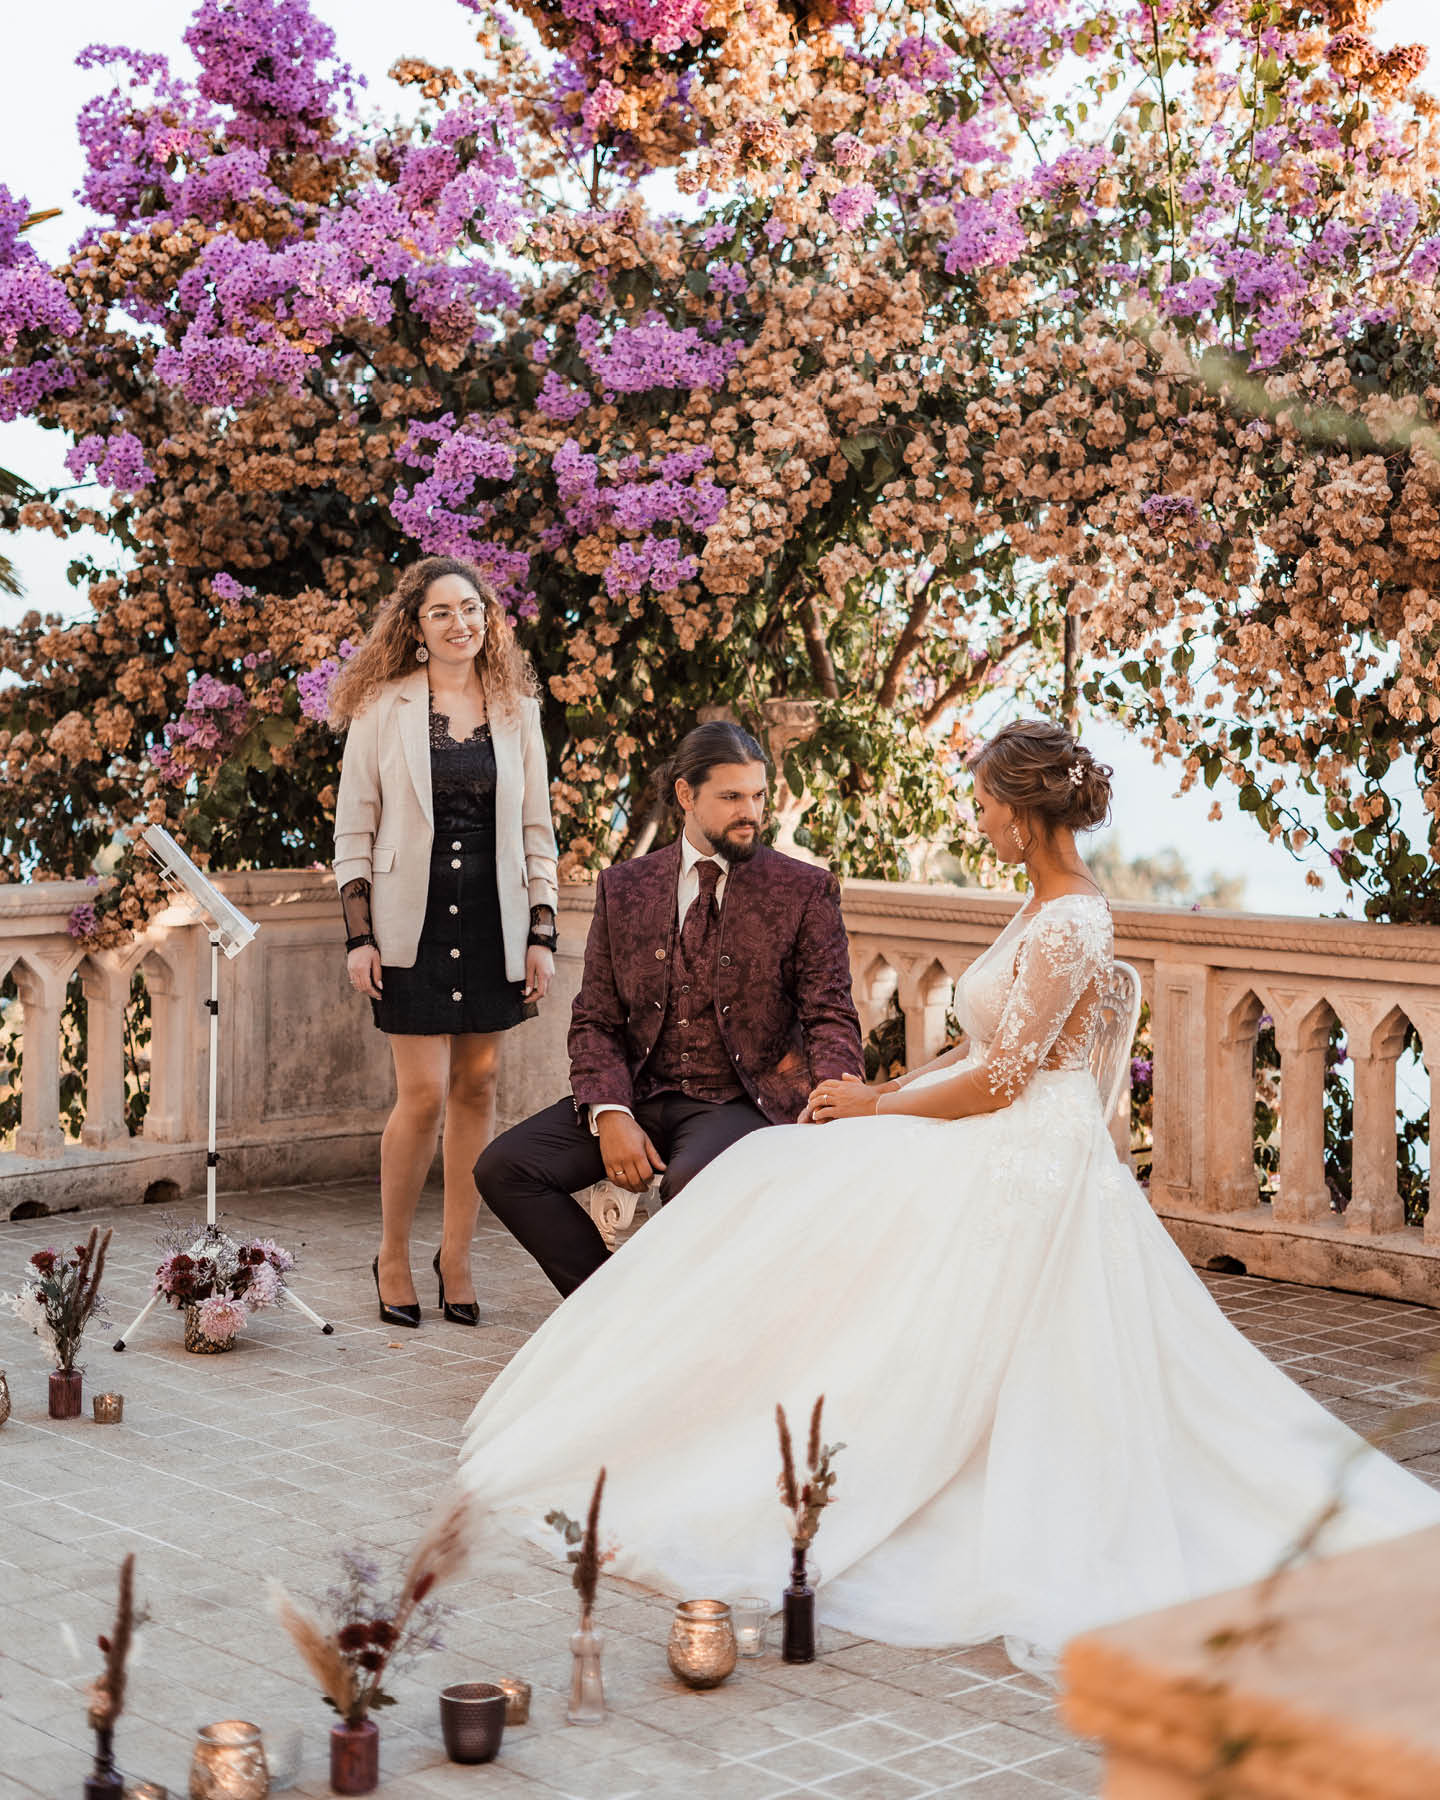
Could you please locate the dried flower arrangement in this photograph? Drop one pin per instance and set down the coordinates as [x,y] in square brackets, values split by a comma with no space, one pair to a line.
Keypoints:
[583,1551]
[224,1278]
[369,1634]
[805,1501]
[106,1698]
[61,1294]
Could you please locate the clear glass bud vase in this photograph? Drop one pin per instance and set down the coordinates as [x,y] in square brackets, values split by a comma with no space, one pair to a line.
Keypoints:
[587,1683]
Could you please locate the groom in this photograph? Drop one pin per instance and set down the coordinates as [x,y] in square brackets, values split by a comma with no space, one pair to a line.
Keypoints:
[716,995]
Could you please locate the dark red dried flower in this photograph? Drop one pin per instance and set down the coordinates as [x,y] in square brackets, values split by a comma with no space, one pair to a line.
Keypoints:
[372,1660]
[383,1634]
[354,1636]
[44,1261]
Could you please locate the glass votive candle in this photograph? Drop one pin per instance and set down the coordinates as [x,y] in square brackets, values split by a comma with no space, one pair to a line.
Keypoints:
[109,1408]
[752,1616]
[517,1699]
[229,1762]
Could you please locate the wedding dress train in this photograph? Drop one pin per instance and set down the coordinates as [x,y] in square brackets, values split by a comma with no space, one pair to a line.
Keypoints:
[1048,1423]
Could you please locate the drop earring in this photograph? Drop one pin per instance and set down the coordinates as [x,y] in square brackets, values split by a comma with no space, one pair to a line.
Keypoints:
[1018,841]
[422,655]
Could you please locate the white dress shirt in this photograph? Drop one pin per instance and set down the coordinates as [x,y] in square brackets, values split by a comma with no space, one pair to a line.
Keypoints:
[685,891]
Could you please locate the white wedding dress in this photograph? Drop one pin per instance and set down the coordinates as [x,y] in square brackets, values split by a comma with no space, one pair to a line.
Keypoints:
[1048,1423]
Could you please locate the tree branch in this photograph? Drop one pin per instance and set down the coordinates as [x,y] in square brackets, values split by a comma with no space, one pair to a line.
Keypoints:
[822,665]
[979,669]
[905,647]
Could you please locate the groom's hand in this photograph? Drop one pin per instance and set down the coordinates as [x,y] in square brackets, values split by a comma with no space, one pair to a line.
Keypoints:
[629,1157]
[847,1098]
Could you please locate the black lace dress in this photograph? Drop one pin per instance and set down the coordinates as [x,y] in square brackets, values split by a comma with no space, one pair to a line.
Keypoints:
[458,983]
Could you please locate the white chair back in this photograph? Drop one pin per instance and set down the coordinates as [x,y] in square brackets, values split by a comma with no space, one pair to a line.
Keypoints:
[1119,1016]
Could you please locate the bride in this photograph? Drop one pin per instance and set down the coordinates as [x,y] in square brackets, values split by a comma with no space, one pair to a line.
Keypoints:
[1048,1422]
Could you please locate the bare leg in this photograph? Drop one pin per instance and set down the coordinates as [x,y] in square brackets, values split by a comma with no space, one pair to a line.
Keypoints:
[469,1127]
[422,1069]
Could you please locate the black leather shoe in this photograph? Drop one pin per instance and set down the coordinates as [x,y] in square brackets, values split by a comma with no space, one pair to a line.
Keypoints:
[460,1312]
[394,1315]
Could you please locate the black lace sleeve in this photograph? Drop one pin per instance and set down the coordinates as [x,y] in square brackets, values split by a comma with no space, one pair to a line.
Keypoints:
[355,902]
[542,928]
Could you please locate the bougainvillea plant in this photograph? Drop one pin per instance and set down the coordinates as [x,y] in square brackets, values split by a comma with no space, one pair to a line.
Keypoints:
[957,358]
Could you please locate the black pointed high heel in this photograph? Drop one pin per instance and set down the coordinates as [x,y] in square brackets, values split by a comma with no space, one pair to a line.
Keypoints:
[394,1315]
[458,1312]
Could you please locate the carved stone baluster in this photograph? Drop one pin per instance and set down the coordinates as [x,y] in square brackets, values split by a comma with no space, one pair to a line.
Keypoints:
[107,988]
[165,1118]
[925,1000]
[875,980]
[1376,1036]
[1426,1020]
[1302,1031]
[42,995]
[1186,1075]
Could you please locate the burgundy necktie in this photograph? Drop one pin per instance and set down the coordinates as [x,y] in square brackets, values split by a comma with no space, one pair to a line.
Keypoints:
[702,911]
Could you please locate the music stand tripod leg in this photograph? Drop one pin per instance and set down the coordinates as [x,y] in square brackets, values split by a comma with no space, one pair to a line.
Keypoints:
[145,1313]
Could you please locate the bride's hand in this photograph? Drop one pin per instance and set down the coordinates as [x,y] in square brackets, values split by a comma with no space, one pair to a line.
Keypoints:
[847,1098]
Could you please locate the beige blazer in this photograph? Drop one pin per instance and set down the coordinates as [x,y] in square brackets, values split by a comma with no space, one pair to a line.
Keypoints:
[385,823]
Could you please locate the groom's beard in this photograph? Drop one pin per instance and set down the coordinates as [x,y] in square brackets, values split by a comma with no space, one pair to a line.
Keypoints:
[738,844]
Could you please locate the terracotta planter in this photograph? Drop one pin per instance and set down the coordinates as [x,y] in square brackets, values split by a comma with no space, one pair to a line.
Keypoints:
[355,1758]
[65,1393]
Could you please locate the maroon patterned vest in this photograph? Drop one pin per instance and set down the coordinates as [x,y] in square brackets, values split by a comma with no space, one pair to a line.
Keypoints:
[690,1055]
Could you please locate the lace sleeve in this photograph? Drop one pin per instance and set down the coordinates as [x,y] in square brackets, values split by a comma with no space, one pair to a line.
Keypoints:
[355,903]
[1062,954]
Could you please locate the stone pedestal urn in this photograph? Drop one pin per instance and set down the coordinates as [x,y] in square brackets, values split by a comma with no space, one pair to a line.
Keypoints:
[1320,1684]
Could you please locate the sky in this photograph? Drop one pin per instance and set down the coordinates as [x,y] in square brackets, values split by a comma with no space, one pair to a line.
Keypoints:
[39,158]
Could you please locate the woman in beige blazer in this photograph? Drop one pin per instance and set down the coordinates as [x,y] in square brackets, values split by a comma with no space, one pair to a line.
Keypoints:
[445,861]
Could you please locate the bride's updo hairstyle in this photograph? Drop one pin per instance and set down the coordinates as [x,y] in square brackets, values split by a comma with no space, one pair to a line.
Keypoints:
[1038,768]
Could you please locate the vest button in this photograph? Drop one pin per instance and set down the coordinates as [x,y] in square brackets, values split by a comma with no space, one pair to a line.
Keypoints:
[724,1009]
[456,995]
[724,962]
[684,1056]
[455,953]
[455,862]
[686,988]
[659,956]
[685,1023]
[454,909]
[454,843]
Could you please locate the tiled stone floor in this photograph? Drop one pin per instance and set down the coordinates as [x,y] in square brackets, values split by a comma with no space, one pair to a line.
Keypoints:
[228,1470]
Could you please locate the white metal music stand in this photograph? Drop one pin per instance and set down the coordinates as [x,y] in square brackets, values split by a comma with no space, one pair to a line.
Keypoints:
[229,930]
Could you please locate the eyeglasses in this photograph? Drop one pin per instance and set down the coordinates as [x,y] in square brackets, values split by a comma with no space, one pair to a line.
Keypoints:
[471,613]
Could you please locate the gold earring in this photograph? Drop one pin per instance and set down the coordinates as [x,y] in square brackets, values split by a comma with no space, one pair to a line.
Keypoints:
[1019,841]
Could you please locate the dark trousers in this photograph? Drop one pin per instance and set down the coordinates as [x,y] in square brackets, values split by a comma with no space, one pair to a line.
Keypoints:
[529,1175]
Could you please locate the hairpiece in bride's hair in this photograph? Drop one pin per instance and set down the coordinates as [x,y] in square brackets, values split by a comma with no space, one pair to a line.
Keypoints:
[1077,774]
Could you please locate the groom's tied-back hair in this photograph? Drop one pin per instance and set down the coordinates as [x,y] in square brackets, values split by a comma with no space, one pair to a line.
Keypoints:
[1038,768]
[703,749]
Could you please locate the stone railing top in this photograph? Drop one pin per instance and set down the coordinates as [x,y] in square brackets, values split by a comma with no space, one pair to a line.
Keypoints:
[28,907]
[895,907]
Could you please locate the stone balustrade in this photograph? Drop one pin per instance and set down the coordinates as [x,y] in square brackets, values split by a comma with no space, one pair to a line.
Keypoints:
[306,1084]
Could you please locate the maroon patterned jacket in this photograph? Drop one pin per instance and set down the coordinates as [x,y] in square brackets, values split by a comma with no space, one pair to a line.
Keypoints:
[782,980]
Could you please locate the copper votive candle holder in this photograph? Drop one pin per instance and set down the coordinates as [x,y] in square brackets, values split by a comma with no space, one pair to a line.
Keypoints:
[517,1699]
[702,1643]
[229,1762]
[109,1408]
